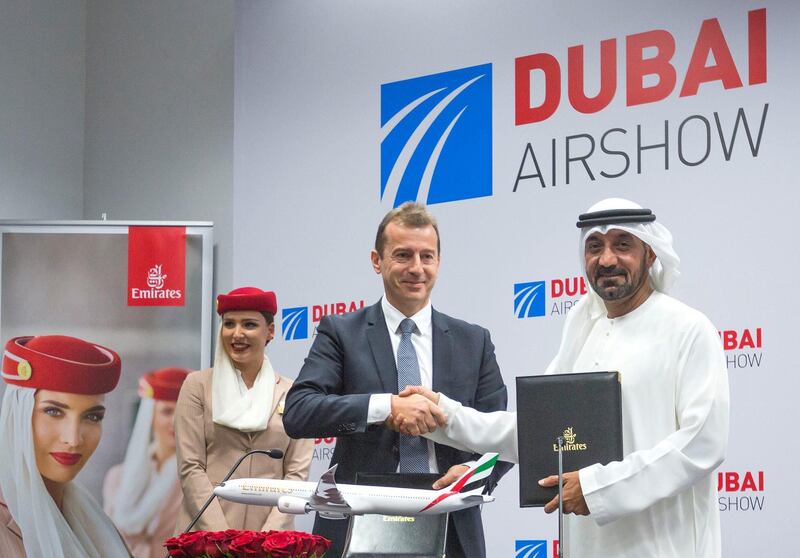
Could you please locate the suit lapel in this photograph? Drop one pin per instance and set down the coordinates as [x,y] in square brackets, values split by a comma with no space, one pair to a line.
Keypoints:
[442,354]
[381,347]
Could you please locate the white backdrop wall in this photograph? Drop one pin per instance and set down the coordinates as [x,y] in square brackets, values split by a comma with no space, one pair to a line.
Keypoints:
[42,76]
[159,114]
[307,190]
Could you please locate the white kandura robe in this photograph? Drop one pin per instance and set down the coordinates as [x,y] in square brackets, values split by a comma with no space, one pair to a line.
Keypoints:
[660,501]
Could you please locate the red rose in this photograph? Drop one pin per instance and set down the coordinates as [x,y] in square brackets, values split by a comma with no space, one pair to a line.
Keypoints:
[175,549]
[187,545]
[221,541]
[283,544]
[248,543]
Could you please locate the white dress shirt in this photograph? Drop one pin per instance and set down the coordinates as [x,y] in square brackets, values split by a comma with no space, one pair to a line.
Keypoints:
[380,404]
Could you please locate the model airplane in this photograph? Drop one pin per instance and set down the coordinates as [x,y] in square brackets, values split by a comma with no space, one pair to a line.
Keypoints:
[334,501]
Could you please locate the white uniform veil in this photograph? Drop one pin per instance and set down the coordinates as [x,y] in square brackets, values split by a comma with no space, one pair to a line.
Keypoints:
[142,489]
[82,530]
[232,404]
[663,274]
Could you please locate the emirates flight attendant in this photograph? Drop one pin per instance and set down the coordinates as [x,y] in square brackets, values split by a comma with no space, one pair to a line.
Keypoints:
[232,408]
[142,495]
[50,425]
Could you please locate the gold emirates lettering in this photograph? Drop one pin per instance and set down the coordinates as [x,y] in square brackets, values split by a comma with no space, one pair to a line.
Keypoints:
[271,489]
[569,438]
[399,519]
[570,447]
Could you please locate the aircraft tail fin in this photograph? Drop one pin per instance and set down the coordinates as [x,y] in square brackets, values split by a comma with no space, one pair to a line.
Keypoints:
[474,480]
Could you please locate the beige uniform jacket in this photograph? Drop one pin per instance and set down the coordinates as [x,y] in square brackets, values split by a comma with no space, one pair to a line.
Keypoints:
[206,451]
[10,536]
[143,545]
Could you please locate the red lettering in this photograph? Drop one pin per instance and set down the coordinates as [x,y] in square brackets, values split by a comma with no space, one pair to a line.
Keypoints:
[583,285]
[757,46]
[523,66]
[556,288]
[748,483]
[758,337]
[710,40]
[731,482]
[341,308]
[316,313]
[747,340]
[659,65]
[575,286]
[729,340]
[608,78]
[555,548]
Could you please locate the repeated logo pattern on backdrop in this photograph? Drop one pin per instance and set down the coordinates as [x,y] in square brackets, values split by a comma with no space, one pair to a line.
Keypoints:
[436,137]
[295,321]
[535,548]
[686,111]
[530,299]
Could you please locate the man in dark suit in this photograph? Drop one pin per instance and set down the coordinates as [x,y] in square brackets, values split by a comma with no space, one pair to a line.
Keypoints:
[348,384]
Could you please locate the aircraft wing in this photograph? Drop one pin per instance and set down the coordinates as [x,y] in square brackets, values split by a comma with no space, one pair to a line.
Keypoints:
[473,498]
[327,495]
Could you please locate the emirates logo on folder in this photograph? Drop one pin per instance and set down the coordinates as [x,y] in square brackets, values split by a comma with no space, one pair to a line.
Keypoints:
[570,443]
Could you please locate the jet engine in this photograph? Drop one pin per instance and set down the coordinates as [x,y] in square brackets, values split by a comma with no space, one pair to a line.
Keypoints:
[293,505]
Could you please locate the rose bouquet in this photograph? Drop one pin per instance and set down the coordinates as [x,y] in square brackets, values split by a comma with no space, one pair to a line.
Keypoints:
[247,544]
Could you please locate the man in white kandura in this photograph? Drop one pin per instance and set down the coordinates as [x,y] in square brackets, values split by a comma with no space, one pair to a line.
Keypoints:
[660,500]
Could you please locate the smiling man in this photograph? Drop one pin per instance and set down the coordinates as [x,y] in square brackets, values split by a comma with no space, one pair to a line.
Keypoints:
[347,387]
[660,501]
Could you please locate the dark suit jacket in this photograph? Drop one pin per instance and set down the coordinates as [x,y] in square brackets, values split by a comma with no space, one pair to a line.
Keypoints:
[350,359]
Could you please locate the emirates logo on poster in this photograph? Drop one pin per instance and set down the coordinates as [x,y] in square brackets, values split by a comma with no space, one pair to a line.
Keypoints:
[156,266]
[155,279]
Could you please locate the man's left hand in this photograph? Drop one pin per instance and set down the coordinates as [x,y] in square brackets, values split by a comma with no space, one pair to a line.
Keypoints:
[573,495]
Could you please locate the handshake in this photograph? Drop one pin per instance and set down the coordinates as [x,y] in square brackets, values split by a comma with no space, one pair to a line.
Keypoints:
[415,412]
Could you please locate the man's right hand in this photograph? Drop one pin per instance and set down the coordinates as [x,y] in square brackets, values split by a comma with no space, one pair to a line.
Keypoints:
[416,414]
[425,392]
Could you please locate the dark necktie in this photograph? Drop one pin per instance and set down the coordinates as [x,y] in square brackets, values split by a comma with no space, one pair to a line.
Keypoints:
[413,449]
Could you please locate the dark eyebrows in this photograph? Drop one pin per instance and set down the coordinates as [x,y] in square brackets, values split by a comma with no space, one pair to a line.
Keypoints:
[58,404]
[61,405]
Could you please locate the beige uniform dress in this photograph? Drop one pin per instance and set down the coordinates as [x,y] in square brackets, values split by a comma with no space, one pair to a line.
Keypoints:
[206,451]
[144,545]
[10,536]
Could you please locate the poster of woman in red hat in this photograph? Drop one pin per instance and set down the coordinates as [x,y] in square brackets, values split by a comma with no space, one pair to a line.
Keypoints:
[142,495]
[50,425]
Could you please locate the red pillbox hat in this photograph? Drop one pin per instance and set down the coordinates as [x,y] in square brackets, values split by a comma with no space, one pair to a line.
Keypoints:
[60,363]
[247,298]
[163,384]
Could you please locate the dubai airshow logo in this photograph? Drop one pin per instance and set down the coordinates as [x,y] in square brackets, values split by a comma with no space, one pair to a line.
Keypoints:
[742,347]
[530,299]
[436,137]
[740,491]
[537,548]
[323,448]
[294,321]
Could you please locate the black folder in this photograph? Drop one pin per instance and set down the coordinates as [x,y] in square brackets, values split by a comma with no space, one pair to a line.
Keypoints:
[584,408]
